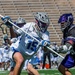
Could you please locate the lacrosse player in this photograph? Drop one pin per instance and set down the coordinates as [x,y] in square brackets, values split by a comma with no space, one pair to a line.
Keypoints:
[68,30]
[14,37]
[26,46]
[54,57]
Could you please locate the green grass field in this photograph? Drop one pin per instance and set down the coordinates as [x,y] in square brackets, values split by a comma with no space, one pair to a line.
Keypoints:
[42,72]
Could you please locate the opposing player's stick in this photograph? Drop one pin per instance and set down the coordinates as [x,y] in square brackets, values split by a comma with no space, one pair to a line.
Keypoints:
[33,37]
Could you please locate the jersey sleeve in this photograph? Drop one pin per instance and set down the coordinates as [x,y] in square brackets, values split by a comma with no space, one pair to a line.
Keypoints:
[46,36]
[71,36]
[28,27]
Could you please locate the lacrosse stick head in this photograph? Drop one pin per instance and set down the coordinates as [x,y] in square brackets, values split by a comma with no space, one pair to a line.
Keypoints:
[42,20]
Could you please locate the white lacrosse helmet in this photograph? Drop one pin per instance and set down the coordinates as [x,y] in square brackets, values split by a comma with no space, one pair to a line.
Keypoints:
[42,20]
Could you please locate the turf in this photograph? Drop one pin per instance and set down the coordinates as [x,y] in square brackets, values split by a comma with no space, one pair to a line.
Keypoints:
[42,72]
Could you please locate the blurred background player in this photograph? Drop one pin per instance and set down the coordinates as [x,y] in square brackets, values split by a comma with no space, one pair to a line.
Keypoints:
[6,60]
[13,36]
[26,46]
[54,57]
[46,55]
[68,30]
[1,57]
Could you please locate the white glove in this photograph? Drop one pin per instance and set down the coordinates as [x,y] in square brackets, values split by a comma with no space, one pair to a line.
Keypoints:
[65,48]
[44,43]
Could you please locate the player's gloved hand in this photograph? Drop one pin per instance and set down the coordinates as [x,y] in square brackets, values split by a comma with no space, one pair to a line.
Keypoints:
[6,20]
[5,37]
[65,48]
[44,43]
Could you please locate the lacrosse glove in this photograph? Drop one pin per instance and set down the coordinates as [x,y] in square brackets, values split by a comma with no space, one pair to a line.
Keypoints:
[44,43]
[65,48]
[6,20]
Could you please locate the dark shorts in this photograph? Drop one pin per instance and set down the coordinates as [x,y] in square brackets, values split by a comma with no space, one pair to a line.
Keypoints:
[68,61]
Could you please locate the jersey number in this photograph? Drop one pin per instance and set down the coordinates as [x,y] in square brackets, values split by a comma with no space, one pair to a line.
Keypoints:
[32,45]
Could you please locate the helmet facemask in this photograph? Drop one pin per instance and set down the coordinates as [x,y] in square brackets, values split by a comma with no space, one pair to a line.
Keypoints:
[65,21]
[42,26]
[64,25]
[42,21]
[37,29]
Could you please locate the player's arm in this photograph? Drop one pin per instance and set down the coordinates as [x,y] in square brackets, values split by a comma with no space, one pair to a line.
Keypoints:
[46,41]
[69,42]
[12,33]
[6,20]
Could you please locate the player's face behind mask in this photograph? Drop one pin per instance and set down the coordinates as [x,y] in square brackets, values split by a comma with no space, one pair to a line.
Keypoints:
[63,26]
[42,27]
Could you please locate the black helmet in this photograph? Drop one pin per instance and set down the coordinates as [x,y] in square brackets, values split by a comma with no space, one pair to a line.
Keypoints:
[67,19]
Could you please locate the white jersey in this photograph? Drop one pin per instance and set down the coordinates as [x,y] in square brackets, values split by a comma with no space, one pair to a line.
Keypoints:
[1,54]
[27,45]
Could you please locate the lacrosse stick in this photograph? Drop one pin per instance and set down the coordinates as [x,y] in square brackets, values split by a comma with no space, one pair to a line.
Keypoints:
[33,38]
